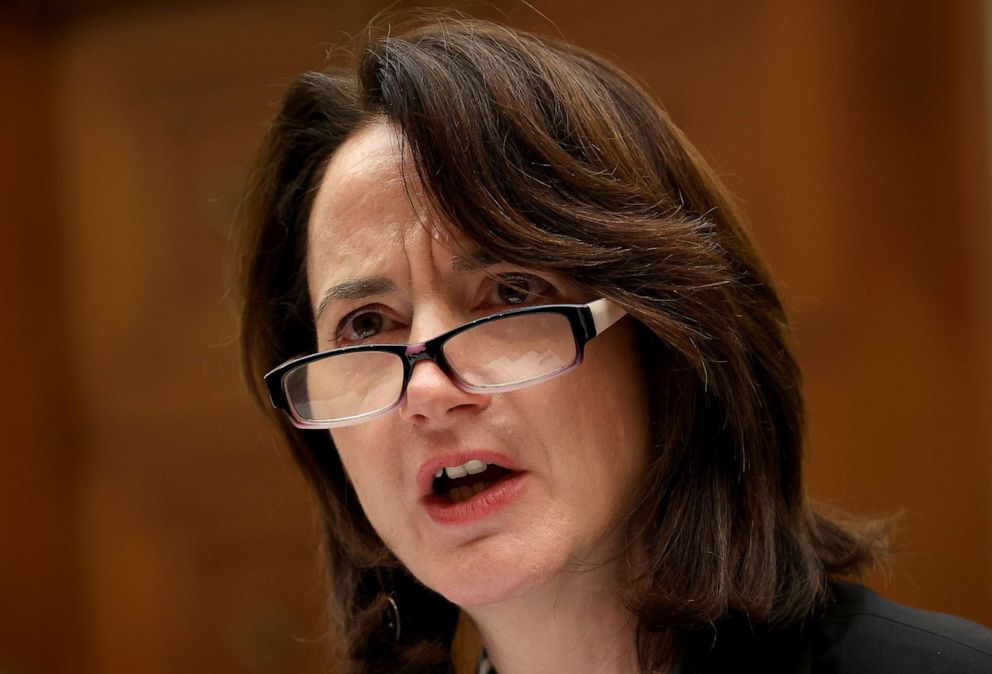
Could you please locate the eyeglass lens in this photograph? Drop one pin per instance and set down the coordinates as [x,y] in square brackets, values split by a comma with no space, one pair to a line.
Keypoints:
[345,385]
[507,352]
[512,351]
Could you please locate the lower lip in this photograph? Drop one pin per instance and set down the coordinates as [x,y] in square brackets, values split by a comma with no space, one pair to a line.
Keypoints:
[480,505]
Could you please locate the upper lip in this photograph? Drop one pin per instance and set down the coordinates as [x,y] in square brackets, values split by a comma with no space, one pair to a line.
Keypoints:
[425,475]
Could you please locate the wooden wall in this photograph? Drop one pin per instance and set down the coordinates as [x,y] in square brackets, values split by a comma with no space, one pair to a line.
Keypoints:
[39,553]
[148,520]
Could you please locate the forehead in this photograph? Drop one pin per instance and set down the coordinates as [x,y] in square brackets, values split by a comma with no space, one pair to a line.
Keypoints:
[369,207]
[360,188]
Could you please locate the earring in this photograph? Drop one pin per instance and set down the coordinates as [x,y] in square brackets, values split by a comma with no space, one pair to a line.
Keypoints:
[393,617]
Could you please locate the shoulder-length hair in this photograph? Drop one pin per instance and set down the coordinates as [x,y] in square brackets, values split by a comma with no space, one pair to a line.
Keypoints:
[553,159]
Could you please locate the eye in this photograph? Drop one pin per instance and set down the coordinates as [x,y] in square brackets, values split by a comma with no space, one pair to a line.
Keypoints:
[366,325]
[521,289]
[363,325]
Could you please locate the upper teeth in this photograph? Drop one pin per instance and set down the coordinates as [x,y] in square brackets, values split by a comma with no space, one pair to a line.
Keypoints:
[472,467]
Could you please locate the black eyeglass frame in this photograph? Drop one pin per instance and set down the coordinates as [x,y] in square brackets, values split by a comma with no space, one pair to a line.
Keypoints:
[586,321]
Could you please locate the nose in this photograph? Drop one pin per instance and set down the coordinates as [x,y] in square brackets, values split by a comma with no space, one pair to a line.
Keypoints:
[433,398]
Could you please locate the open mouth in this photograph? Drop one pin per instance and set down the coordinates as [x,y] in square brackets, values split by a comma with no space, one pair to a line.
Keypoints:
[460,483]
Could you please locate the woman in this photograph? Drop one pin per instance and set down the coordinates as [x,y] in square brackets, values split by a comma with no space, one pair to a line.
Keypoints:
[600,460]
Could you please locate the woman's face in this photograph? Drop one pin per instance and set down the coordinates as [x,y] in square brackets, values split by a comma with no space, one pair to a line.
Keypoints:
[577,444]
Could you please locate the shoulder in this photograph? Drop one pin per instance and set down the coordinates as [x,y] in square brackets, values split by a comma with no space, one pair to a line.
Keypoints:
[856,632]
[859,631]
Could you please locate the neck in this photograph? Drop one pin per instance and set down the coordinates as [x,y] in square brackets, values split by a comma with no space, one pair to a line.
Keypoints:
[574,624]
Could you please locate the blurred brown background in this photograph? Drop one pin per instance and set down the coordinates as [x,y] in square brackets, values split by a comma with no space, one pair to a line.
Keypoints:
[149,522]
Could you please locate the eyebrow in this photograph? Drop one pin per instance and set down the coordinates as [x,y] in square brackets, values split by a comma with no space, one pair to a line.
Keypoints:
[357,289]
[354,289]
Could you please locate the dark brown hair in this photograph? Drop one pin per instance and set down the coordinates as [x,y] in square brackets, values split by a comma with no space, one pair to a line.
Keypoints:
[555,160]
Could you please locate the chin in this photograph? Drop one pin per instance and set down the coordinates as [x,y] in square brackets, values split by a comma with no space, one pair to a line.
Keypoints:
[492,590]
[478,577]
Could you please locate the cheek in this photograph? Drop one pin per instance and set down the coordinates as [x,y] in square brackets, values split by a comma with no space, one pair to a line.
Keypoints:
[594,425]
[611,418]
[347,442]
[368,472]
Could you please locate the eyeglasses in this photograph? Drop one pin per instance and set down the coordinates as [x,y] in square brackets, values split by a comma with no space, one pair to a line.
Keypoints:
[502,352]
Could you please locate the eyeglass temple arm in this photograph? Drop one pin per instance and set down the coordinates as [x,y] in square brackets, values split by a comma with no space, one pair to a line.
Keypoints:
[605,313]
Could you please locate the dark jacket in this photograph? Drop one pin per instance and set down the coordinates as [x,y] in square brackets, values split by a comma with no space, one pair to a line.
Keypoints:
[857,632]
